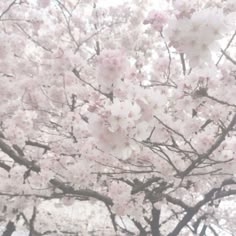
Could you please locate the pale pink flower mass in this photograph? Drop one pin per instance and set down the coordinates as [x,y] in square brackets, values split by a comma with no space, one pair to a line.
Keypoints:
[117,118]
[157,19]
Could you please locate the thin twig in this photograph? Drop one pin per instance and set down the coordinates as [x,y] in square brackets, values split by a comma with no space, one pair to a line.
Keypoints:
[227,46]
[7,9]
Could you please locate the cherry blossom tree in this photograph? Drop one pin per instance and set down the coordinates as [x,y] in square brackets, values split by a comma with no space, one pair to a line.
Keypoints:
[129,106]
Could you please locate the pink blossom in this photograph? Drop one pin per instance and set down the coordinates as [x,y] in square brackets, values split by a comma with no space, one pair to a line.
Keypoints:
[111,66]
[157,19]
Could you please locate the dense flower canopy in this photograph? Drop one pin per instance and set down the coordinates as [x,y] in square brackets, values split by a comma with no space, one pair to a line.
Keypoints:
[131,106]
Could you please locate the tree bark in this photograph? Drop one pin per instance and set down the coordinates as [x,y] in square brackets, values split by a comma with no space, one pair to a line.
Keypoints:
[10,228]
[155,222]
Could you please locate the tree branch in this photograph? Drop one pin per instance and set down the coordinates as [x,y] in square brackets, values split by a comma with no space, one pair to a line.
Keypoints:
[31,222]
[213,194]
[4,166]
[139,187]
[228,57]
[177,202]
[108,95]
[58,184]
[227,46]
[7,9]
[217,143]
[18,159]
[10,228]
[81,192]
[155,227]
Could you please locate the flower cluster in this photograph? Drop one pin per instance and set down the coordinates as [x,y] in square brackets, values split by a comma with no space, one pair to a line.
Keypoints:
[119,126]
[198,35]
[157,19]
[111,127]
[111,65]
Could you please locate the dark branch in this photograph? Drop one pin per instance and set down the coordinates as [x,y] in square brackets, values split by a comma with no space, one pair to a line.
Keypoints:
[17,158]
[177,202]
[81,192]
[56,183]
[10,228]
[155,226]
[228,57]
[139,187]
[4,166]
[183,63]
[213,194]
[31,222]
[7,9]
[108,95]
[227,46]
[217,143]
[36,144]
